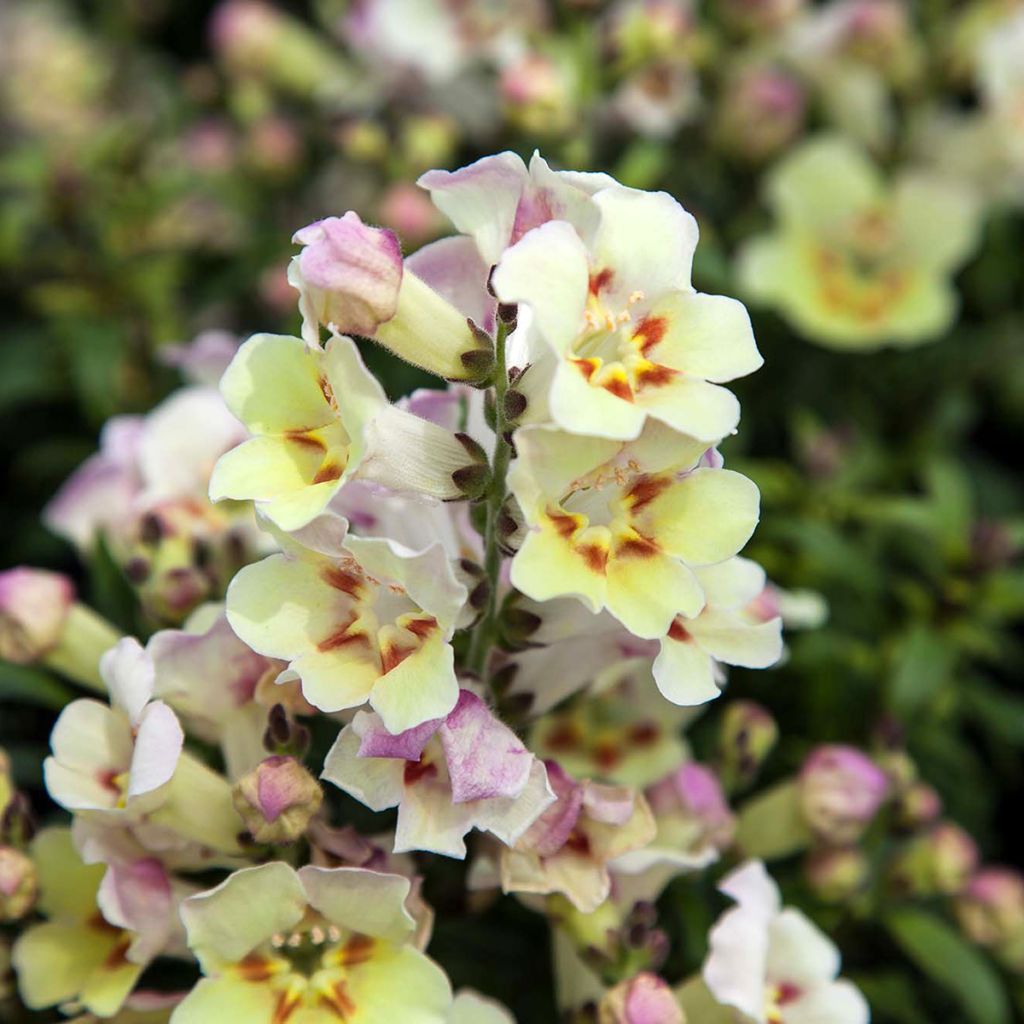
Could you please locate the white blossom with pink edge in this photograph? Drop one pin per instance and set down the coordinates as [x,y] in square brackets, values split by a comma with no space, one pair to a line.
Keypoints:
[773,964]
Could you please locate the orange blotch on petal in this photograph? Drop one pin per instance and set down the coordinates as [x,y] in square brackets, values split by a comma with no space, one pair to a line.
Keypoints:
[255,968]
[588,367]
[677,631]
[287,1003]
[636,547]
[649,332]
[305,440]
[327,472]
[342,638]
[601,280]
[644,489]
[421,627]
[357,950]
[595,555]
[337,999]
[341,579]
[654,375]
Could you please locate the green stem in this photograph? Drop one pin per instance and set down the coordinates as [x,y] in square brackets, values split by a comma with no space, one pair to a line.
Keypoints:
[486,628]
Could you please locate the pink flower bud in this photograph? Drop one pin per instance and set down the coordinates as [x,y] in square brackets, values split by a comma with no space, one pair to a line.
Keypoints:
[18,884]
[644,999]
[991,913]
[835,874]
[761,111]
[409,211]
[277,800]
[937,862]
[841,790]
[34,605]
[694,791]
[353,272]
[919,804]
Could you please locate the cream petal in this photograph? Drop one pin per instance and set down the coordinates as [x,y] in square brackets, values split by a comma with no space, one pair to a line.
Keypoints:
[732,584]
[158,744]
[370,902]
[731,639]
[799,952]
[546,566]
[684,672]
[647,590]
[91,738]
[400,984]
[227,998]
[704,518]
[129,674]
[646,238]
[422,686]
[337,679]
[581,408]
[226,923]
[839,1002]
[547,269]
[375,781]
[273,385]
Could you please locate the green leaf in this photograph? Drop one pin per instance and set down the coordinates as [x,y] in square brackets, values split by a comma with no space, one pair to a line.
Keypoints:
[923,666]
[952,963]
[771,825]
[24,685]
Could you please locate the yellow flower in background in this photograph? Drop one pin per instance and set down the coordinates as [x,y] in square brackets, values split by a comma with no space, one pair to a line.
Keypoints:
[855,262]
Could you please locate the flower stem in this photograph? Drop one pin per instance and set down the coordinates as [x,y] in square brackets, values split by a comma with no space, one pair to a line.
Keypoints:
[486,628]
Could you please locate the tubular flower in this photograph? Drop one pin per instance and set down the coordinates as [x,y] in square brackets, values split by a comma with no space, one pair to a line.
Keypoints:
[620,525]
[771,963]
[118,758]
[318,417]
[316,946]
[725,631]
[352,280]
[568,849]
[79,955]
[446,777]
[364,619]
[619,330]
[854,263]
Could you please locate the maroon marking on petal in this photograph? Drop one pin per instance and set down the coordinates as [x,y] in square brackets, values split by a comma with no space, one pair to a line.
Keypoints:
[306,440]
[643,734]
[677,631]
[108,780]
[348,582]
[607,754]
[578,842]
[342,638]
[655,376]
[601,280]
[327,472]
[650,331]
[254,968]
[788,993]
[564,736]
[359,948]
[287,1003]
[415,771]
[588,367]
[645,489]
[118,956]
[565,524]
[636,547]
[337,1000]
[618,385]
[392,655]
[594,555]
[422,627]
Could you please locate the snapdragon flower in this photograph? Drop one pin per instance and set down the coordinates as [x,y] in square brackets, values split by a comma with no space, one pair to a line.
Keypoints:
[320,945]
[856,263]
[621,525]
[318,418]
[466,771]
[620,333]
[361,619]
[773,964]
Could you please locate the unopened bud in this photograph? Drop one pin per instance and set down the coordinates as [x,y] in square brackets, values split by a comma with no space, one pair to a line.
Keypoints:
[834,874]
[18,884]
[919,804]
[694,793]
[762,110]
[518,625]
[841,790]
[991,913]
[937,862]
[34,607]
[644,999]
[511,526]
[747,736]
[277,800]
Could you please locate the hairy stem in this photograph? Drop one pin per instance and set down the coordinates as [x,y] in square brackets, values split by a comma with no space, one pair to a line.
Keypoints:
[486,628]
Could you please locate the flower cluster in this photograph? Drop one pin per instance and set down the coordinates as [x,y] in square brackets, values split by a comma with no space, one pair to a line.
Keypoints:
[562,502]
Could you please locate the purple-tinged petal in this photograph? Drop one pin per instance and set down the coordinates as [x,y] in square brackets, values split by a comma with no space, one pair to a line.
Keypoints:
[376,741]
[548,834]
[137,896]
[613,805]
[485,758]
[158,744]
[130,676]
